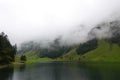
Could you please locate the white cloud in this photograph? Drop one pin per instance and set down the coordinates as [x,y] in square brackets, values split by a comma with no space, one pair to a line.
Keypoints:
[36,19]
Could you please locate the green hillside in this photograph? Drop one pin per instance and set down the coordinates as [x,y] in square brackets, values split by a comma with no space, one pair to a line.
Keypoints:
[103,53]
[70,56]
[32,56]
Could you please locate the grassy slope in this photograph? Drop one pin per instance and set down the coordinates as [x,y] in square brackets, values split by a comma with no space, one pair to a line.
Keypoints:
[32,57]
[103,54]
[70,56]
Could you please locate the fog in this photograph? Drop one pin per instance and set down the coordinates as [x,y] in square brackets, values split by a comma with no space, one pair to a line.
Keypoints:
[25,20]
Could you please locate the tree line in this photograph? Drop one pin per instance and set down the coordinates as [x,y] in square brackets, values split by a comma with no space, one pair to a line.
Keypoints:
[7,50]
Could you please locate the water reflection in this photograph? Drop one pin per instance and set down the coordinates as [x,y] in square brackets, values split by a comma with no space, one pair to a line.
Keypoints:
[22,67]
[6,73]
[51,71]
[68,71]
[61,71]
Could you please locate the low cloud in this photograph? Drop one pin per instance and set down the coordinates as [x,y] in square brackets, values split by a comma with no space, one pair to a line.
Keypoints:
[46,20]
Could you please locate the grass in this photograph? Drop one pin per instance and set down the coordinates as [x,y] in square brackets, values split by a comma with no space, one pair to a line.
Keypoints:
[32,57]
[70,56]
[33,60]
[103,53]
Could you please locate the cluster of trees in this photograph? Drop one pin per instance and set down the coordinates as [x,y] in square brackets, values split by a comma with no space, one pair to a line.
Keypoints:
[7,51]
[53,51]
[115,30]
[87,46]
[23,58]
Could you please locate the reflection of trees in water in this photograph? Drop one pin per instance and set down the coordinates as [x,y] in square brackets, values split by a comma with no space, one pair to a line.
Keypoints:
[22,67]
[6,73]
[61,71]
[64,71]
[68,71]
[21,73]
[107,71]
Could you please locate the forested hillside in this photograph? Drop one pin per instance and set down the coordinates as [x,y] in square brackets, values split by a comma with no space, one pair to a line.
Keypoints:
[7,51]
[53,50]
[98,49]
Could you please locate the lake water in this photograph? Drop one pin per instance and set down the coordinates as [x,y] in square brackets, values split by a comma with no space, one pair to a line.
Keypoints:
[62,71]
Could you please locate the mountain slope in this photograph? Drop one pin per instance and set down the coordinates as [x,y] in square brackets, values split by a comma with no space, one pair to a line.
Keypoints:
[70,56]
[104,52]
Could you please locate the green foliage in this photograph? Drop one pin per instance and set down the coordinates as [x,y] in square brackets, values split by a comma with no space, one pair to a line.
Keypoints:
[53,51]
[35,59]
[70,56]
[87,46]
[103,53]
[7,51]
[23,58]
[32,57]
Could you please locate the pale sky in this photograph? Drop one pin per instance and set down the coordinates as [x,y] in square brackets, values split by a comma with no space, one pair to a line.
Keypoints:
[26,20]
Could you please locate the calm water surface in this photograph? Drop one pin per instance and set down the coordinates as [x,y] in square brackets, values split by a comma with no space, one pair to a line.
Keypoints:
[62,71]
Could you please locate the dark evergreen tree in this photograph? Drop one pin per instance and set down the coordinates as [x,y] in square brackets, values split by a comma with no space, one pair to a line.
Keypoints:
[7,51]
[23,58]
[87,46]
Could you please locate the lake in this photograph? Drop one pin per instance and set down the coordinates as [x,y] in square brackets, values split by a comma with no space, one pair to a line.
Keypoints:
[62,71]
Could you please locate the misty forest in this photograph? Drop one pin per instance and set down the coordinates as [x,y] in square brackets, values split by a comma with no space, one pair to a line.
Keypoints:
[96,48]
[59,40]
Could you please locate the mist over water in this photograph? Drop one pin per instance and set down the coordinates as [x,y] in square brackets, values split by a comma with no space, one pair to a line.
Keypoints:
[46,20]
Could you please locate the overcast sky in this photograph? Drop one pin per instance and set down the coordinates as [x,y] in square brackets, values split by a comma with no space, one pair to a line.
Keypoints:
[25,20]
